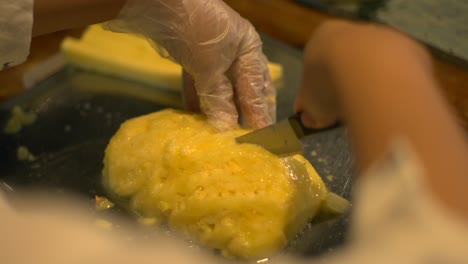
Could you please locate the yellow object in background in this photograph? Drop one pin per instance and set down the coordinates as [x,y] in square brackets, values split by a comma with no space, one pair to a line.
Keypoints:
[130,57]
[240,199]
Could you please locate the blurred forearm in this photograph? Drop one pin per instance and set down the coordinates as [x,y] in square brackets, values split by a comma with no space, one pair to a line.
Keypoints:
[384,89]
[55,15]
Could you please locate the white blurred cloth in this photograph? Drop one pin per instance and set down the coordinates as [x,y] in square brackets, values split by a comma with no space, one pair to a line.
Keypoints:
[16,20]
[397,220]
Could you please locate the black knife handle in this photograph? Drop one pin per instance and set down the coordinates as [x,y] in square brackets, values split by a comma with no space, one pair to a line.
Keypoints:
[302,131]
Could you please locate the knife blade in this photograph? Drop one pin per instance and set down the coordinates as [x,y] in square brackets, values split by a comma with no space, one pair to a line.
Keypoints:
[282,138]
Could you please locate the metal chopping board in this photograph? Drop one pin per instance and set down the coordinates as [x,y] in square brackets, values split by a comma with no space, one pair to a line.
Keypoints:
[79,111]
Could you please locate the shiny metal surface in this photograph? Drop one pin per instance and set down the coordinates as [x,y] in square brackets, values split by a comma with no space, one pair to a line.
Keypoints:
[280,139]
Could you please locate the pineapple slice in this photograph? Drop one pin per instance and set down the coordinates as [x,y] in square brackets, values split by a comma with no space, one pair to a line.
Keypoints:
[130,57]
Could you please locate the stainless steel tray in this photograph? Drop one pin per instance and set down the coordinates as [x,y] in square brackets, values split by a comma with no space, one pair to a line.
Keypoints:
[79,111]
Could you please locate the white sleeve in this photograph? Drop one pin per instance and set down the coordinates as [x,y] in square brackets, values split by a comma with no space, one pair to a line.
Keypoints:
[16,22]
[398,219]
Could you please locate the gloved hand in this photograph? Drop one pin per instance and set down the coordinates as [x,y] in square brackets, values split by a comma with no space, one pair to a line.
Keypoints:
[221,53]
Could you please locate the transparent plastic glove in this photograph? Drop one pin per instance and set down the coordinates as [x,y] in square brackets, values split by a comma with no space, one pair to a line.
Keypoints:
[226,71]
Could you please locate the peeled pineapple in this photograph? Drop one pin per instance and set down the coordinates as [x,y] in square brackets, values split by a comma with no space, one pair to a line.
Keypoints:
[240,199]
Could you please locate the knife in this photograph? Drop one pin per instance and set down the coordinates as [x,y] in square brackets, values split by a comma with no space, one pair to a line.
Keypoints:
[282,138]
